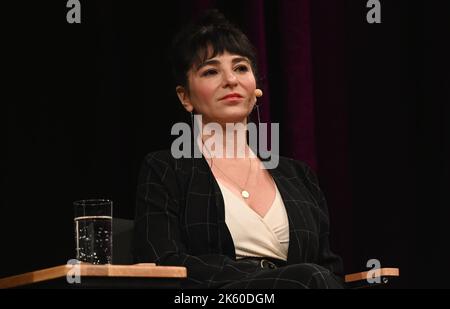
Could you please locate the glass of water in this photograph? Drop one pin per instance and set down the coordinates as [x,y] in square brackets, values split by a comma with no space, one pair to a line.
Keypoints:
[93,231]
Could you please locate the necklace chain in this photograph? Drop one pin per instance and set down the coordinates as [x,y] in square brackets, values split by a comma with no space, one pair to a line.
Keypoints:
[244,193]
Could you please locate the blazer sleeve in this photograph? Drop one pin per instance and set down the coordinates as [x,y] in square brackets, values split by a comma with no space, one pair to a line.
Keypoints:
[158,237]
[326,257]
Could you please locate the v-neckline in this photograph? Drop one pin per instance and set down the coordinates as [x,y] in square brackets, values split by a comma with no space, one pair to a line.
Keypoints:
[222,184]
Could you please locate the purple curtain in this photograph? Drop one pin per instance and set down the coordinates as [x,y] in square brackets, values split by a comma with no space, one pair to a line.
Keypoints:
[298,107]
[257,34]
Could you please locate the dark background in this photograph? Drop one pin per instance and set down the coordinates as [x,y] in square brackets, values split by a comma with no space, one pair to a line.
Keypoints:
[90,100]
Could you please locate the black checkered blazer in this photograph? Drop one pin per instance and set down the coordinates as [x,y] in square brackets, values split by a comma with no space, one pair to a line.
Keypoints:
[180,220]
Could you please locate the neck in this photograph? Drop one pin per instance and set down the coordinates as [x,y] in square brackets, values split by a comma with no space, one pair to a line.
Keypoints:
[224,141]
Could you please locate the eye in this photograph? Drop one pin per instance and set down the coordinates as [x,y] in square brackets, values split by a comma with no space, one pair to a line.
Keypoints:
[242,68]
[209,72]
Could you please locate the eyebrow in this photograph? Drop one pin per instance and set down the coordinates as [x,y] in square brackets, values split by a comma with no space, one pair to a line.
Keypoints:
[217,62]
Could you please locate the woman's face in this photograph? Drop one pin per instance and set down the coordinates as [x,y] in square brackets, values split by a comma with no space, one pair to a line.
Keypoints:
[222,89]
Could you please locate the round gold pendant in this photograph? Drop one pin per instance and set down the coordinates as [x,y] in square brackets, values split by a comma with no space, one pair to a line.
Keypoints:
[245,194]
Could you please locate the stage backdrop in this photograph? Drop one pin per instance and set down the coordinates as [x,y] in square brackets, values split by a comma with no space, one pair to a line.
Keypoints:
[366,105]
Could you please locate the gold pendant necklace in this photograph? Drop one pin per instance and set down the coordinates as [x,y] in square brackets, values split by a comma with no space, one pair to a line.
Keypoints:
[244,193]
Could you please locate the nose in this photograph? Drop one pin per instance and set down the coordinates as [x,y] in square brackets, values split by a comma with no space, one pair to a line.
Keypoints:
[230,79]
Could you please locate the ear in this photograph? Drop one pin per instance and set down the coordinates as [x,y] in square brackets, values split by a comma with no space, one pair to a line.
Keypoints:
[184,98]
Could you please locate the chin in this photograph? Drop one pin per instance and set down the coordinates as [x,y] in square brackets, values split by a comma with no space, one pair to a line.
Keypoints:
[233,115]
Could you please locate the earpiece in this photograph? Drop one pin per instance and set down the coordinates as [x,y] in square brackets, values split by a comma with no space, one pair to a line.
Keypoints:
[258,93]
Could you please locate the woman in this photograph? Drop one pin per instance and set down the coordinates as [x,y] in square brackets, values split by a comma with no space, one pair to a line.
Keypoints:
[230,221]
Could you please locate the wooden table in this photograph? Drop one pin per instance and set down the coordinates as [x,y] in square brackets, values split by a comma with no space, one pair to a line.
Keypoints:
[146,275]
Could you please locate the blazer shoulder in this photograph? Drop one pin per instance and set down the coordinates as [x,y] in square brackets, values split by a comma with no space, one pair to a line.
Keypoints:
[293,167]
[163,157]
[163,160]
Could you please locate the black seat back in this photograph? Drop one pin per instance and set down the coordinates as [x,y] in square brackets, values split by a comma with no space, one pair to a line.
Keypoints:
[122,241]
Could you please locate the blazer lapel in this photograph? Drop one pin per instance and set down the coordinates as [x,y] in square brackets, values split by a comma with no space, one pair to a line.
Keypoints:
[207,206]
[295,245]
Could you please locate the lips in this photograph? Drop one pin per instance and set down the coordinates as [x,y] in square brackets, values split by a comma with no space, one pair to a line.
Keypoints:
[232,96]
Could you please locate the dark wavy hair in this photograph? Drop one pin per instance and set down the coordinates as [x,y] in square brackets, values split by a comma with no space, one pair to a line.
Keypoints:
[211,35]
